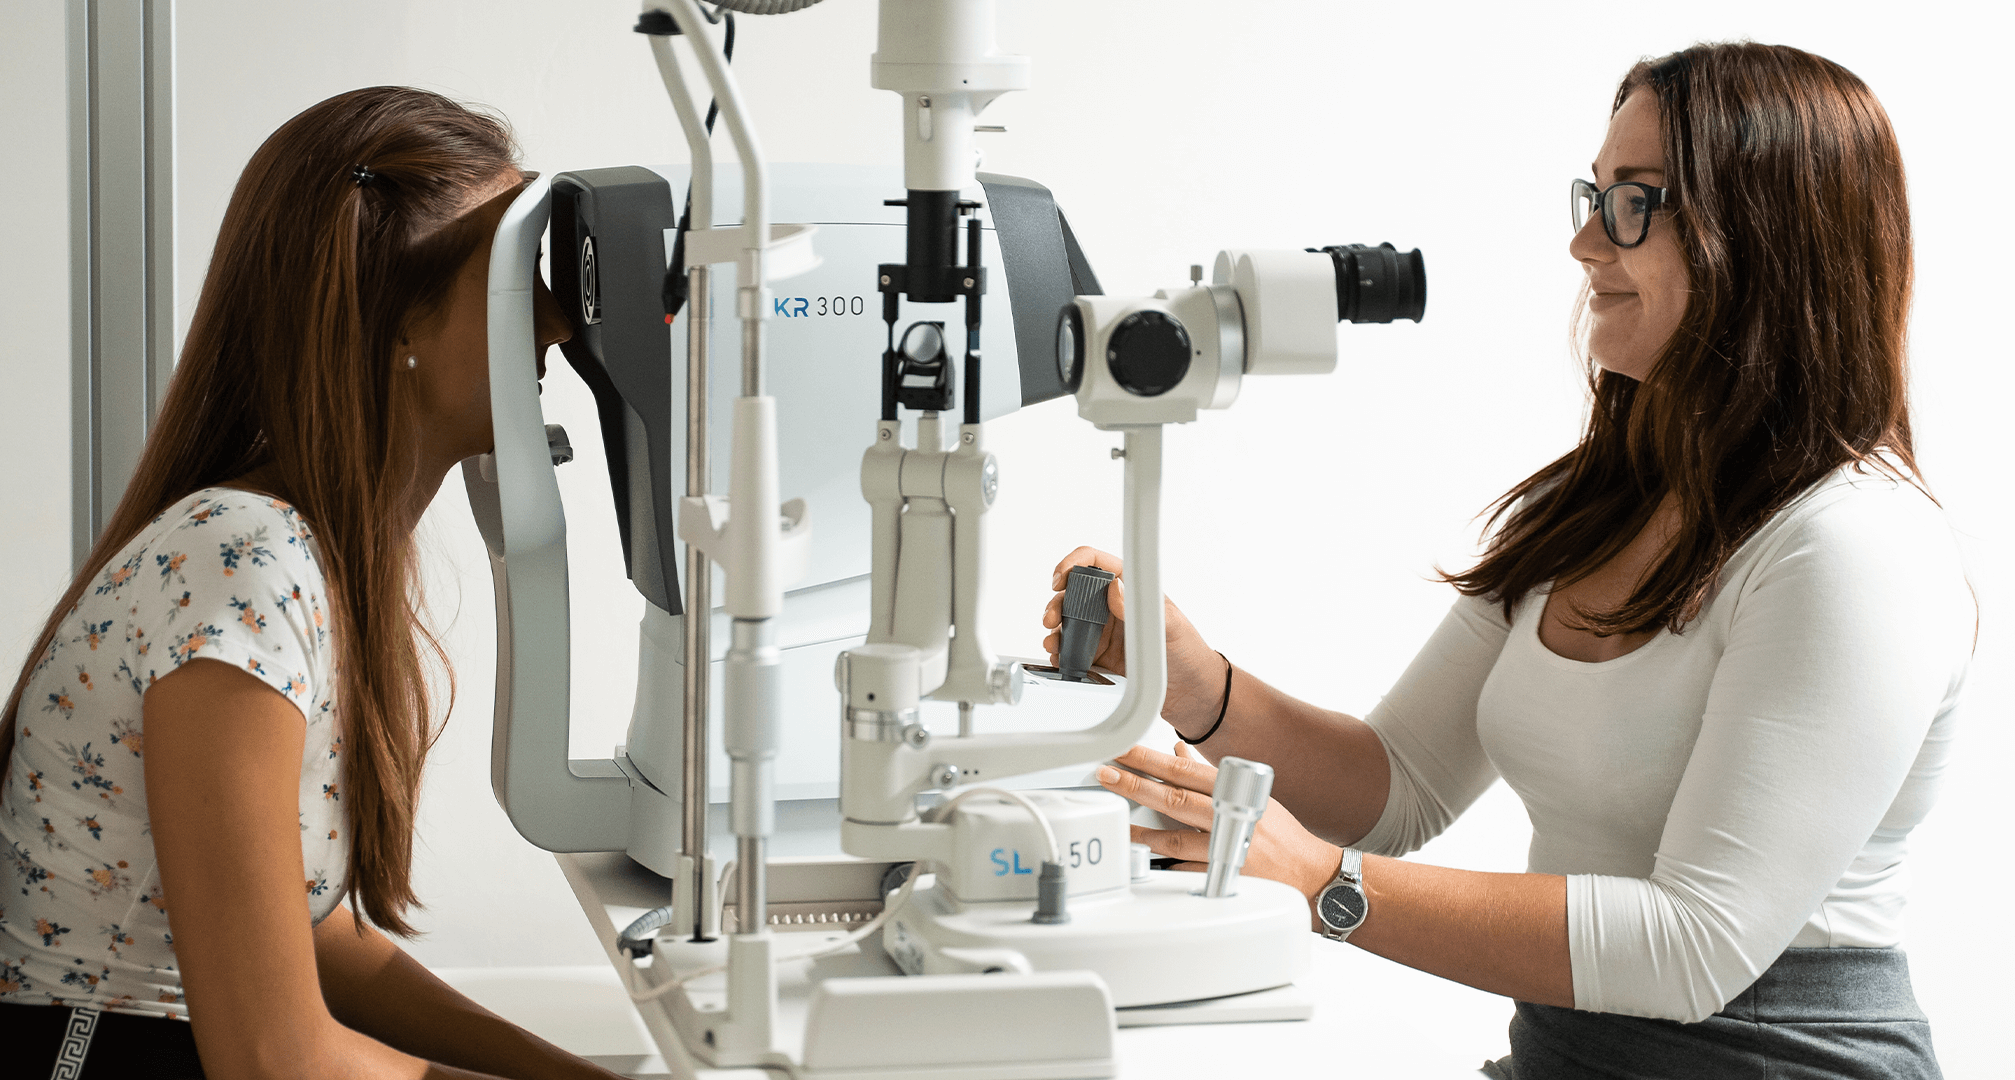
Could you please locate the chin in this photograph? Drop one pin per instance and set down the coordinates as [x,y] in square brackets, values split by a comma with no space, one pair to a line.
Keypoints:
[1633,369]
[1610,354]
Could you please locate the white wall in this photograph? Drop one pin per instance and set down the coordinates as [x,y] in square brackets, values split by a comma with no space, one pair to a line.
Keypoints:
[1305,520]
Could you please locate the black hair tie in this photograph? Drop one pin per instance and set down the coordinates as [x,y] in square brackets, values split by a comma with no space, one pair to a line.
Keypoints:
[1222,706]
[362,175]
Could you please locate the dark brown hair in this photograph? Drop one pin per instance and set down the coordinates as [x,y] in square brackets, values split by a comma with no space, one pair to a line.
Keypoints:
[1789,360]
[290,368]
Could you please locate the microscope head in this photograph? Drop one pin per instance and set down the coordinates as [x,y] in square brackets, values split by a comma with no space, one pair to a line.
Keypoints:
[1160,359]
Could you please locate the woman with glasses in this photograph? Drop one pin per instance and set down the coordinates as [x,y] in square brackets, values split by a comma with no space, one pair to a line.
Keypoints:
[1715,648]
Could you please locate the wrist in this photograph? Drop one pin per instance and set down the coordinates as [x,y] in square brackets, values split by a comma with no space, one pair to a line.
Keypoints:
[1198,695]
[1320,870]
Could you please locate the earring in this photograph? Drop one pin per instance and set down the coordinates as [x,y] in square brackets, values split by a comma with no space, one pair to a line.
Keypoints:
[412,362]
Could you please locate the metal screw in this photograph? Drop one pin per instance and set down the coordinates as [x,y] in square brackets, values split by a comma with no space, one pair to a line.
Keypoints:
[1118,453]
[945,776]
[885,279]
[969,283]
[885,435]
[916,735]
[966,437]
[1196,273]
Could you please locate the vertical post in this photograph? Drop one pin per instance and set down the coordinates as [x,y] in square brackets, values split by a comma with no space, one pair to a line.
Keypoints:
[122,243]
[699,602]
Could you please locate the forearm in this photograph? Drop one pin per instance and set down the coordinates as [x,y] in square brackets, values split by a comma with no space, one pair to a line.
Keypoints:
[1503,933]
[375,988]
[409,1007]
[1330,769]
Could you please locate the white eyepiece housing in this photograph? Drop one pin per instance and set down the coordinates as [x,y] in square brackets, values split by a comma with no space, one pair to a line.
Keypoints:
[1159,359]
[1288,299]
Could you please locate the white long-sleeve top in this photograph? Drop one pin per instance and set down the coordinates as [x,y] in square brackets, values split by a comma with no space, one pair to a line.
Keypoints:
[1716,796]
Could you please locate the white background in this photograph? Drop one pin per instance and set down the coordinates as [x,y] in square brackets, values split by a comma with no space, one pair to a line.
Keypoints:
[1304,523]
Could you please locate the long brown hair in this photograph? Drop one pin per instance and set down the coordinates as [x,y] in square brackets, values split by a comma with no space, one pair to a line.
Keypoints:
[289,368]
[1789,360]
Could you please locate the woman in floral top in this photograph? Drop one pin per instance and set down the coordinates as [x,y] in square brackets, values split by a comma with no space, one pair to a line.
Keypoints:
[209,765]
[223,575]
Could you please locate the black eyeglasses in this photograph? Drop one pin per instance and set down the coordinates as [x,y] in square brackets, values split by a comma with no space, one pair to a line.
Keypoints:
[1626,209]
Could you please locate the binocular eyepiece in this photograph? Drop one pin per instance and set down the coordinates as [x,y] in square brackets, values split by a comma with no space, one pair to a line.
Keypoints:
[1377,284]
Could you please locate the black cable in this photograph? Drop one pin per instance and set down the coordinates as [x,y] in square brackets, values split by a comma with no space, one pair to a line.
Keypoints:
[675,276]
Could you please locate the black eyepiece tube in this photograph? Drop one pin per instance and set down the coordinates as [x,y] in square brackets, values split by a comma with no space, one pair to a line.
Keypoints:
[1377,284]
[932,248]
[972,372]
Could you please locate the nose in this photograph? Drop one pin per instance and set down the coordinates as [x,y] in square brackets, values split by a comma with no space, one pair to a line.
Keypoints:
[1590,243]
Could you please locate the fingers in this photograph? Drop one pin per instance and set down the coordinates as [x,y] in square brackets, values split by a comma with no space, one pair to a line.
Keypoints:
[1180,803]
[1190,772]
[1191,847]
[1083,556]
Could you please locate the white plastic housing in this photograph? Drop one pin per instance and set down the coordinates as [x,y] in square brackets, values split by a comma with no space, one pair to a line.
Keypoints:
[997,848]
[1153,943]
[1289,304]
[940,56]
[1214,366]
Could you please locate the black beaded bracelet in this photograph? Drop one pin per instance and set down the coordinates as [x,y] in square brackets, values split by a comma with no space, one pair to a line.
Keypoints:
[1222,706]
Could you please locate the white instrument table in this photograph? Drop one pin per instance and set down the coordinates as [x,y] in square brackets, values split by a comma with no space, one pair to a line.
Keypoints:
[1369,1014]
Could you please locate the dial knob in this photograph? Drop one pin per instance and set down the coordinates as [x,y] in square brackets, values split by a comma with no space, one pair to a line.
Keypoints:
[1148,353]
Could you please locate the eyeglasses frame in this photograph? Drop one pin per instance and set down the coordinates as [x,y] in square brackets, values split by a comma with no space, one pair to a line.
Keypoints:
[1655,198]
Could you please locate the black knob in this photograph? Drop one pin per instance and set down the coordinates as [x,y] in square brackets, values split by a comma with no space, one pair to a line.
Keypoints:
[1085,613]
[1148,353]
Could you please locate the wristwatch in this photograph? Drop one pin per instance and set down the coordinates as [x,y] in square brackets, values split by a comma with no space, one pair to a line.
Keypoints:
[1341,906]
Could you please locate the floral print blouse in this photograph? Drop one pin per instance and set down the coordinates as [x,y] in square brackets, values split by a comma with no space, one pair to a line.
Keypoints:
[224,575]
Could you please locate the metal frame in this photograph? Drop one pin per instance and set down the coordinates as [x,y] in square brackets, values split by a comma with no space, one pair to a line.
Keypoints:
[121,60]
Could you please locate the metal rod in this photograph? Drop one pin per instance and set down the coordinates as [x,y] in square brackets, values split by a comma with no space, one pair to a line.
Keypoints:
[752,329]
[699,594]
[752,899]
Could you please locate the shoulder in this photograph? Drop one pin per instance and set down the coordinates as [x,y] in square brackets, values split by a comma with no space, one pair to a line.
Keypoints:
[1871,543]
[240,522]
[1862,512]
[229,575]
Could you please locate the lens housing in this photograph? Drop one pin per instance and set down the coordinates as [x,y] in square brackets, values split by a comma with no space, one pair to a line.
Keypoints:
[1378,284]
[1070,347]
[1148,353]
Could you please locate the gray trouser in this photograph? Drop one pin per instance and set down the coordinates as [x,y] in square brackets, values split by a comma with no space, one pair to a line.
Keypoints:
[1816,1014]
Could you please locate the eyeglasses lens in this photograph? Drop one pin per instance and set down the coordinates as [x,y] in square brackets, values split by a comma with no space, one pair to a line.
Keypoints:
[1582,202]
[1624,212]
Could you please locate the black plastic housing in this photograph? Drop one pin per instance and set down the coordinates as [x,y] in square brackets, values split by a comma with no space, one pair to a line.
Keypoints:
[608,266]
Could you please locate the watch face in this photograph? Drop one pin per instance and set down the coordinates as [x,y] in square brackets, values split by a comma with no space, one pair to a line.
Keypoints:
[1341,907]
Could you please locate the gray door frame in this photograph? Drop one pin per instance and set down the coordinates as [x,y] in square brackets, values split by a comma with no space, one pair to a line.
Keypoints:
[121,60]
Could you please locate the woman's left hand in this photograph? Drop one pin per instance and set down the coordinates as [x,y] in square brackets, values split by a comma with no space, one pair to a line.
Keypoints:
[1281,848]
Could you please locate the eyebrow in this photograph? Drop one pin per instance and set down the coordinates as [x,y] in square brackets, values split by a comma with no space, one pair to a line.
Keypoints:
[1627,171]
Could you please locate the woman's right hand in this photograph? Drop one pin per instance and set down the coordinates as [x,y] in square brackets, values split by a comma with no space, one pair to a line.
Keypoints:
[1195,672]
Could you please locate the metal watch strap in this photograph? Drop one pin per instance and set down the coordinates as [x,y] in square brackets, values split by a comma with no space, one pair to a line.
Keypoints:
[1351,873]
